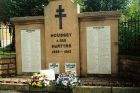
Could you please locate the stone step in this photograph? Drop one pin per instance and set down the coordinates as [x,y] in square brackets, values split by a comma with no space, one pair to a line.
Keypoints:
[14,80]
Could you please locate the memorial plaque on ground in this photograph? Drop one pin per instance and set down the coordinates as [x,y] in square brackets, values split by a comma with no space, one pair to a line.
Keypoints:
[62,33]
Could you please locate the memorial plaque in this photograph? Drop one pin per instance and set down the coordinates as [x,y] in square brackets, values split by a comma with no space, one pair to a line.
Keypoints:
[70,68]
[99,50]
[31,50]
[55,67]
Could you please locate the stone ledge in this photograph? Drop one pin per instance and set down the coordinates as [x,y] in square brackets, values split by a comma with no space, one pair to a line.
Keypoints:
[28,20]
[126,90]
[28,88]
[99,14]
[92,89]
[79,89]
[104,89]
[49,89]
[18,87]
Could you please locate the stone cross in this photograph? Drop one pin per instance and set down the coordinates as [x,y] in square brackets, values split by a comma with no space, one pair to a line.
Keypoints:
[60,15]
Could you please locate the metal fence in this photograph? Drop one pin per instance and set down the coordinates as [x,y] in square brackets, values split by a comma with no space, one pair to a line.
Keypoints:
[129,37]
[7,50]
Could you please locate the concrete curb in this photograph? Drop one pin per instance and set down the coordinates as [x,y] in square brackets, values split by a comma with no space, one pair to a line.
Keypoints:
[92,89]
[104,89]
[17,87]
[28,88]
[79,89]
[125,89]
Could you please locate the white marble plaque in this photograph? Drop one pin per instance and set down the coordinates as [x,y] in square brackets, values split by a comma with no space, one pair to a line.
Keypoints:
[99,50]
[55,67]
[31,50]
[70,68]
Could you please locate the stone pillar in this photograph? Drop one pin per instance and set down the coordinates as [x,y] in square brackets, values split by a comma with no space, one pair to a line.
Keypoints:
[62,35]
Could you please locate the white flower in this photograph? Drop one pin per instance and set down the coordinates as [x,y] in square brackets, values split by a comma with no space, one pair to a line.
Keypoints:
[65,83]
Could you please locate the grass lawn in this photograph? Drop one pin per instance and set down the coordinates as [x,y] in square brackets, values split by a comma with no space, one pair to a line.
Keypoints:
[6,52]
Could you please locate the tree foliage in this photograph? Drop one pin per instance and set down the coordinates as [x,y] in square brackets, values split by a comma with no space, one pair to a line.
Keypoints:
[104,5]
[12,8]
[4,10]
[28,7]
[133,9]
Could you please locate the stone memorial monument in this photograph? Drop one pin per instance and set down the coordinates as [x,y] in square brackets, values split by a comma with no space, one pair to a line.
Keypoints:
[62,34]
[67,41]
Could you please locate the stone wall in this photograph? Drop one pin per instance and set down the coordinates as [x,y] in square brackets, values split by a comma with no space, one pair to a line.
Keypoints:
[28,23]
[7,66]
[98,19]
[25,88]
[129,67]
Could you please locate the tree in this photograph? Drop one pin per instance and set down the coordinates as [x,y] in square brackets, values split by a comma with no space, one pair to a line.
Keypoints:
[133,9]
[4,10]
[104,5]
[129,29]
[18,8]
[12,8]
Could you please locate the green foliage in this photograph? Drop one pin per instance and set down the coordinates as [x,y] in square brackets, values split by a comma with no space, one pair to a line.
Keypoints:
[12,8]
[129,29]
[4,10]
[129,36]
[6,52]
[133,9]
[28,7]
[81,3]
[104,5]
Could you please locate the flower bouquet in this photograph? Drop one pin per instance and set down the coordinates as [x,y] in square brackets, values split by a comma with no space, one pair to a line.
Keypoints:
[39,80]
[65,80]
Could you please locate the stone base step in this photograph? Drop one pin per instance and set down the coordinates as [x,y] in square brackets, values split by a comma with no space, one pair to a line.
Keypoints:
[15,80]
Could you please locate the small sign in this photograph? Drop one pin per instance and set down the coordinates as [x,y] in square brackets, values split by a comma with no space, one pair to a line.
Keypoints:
[49,73]
[55,67]
[70,68]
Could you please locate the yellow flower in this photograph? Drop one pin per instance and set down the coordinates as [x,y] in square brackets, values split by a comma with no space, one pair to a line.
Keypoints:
[34,83]
[48,82]
[39,84]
